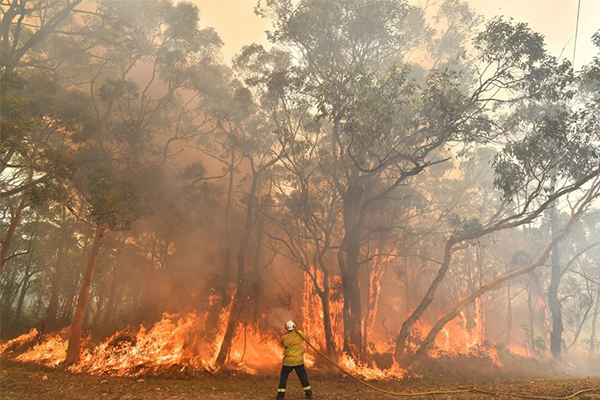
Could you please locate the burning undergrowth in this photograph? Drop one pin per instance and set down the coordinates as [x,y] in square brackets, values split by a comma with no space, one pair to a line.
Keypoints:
[175,345]
[186,346]
[179,347]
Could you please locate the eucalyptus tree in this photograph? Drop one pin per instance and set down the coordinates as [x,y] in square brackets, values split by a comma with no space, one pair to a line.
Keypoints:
[129,121]
[385,126]
[35,33]
[552,152]
[261,136]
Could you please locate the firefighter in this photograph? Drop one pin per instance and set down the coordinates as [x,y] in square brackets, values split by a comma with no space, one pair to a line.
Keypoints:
[293,359]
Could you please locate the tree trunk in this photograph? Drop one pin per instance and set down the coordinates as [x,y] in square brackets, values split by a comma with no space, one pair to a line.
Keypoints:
[350,248]
[508,315]
[479,306]
[373,290]
[594,323]
[401,343]
[50,318]
[74,348]
[24,288]
[531,312]
[28,275]
[430,339]
[111,305]
[14,222]
[222,278]
[9,288]
[67,310]
[553,301]
[235,309]
[329,344]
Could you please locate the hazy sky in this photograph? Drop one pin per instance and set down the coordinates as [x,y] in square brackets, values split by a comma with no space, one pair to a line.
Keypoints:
[237,24]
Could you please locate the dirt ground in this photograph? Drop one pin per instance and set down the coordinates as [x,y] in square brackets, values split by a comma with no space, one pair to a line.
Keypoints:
[26,382]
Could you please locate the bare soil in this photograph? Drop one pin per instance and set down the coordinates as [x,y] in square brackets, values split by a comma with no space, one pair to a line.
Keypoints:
[29,382]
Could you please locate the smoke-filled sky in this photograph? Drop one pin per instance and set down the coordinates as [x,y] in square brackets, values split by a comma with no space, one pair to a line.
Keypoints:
[237,24]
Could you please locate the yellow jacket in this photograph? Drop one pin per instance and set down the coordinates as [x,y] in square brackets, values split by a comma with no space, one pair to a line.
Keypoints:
[294,353]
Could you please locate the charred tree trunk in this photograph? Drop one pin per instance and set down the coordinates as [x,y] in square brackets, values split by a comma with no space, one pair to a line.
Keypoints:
[329,344]
[74,348]
[324,296]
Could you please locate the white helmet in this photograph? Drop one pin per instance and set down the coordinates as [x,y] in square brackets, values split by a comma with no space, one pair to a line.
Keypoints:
[290,325]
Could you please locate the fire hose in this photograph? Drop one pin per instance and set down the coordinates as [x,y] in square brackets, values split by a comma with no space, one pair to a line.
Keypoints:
[461,389]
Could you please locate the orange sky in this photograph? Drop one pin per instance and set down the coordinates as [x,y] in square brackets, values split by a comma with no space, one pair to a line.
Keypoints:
[237,25]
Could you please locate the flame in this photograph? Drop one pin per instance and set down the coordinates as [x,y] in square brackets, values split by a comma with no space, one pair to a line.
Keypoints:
[547,318]
[371,371]
[185,344]
[519,350]
[51,352]
[456,339]
[312,313]
[19,341]
[174,343]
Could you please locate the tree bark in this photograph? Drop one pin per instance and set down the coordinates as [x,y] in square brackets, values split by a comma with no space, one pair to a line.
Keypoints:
[74,348]
[554,302]
[349,264]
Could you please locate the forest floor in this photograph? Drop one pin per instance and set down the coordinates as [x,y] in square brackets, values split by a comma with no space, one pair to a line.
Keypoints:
[27,382]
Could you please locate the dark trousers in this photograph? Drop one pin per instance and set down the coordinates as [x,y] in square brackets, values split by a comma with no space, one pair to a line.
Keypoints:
[301,372]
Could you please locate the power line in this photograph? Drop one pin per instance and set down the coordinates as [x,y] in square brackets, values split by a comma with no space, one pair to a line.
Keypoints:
[576,30]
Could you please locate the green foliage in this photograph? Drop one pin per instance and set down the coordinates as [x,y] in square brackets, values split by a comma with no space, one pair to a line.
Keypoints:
[114,202]
[464,226]
[511,43]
